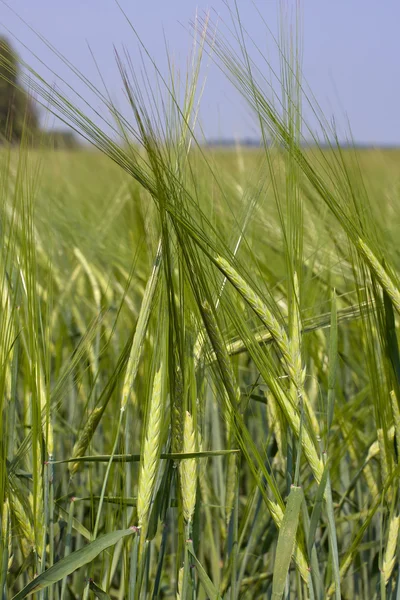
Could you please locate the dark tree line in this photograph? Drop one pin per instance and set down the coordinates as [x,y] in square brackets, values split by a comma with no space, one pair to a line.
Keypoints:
[18,113]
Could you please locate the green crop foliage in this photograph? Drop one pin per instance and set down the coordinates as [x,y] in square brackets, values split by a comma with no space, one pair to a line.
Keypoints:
[200,372]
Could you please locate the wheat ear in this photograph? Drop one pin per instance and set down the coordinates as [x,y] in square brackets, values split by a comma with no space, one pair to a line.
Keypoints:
[380,273]
[150,454]
[260,308]
[288,409]
[24,523]
[290,350]
[85,437]
[390,553]
[177,414]
[6,533]
[188,469]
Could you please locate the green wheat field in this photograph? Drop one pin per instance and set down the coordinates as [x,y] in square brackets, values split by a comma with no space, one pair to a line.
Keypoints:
[200,371]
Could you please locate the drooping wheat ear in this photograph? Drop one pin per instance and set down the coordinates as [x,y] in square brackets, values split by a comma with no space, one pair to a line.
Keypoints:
[177,414]
[290,350]
[292,416]
[85,437]
[259,307]
[188,468]
[390,553]
[150,453]
[290,412]
[141,328]
[380,273]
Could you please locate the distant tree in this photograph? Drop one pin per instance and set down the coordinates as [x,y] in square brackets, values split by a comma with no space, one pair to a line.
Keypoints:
[59,139]
[17,110]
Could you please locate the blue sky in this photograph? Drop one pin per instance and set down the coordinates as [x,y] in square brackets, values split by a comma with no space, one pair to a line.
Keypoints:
[351,53]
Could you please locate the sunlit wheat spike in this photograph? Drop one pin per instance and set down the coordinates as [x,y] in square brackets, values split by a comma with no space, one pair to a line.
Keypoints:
[6,532]
[5,516]
[141,328]
[389,559]
[150,452]
[188,470]
[23,522]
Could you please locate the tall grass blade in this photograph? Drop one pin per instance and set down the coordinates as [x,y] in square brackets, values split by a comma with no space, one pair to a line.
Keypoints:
[74,561]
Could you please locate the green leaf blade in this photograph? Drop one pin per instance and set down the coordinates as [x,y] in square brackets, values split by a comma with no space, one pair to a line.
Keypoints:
[286,541]
[72,562]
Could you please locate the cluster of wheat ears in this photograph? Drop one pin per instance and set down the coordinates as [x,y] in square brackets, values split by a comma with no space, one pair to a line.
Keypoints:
[200,372]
